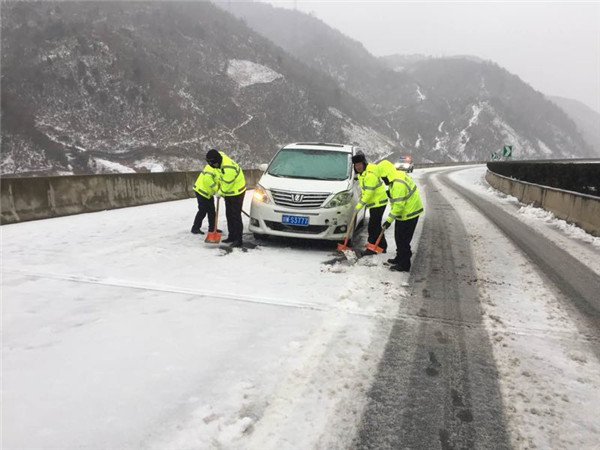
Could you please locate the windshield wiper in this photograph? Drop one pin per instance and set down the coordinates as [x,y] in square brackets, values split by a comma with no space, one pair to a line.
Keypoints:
[304,178]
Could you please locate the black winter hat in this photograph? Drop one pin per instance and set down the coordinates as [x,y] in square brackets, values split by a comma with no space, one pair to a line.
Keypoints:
[359,158]
[213,156]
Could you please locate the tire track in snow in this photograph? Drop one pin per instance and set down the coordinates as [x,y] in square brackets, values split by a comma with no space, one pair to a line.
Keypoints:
[437,385]
[578,284]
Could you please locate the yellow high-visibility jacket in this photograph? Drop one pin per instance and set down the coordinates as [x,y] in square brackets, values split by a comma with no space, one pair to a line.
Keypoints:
[232,180]
[385,169]
[404,197]
[207,182]
[372,189]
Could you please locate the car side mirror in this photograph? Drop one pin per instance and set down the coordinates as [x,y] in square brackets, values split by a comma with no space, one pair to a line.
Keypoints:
[263,167]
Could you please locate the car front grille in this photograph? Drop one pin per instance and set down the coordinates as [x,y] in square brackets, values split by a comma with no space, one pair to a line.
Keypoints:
[310,229]
[299,199]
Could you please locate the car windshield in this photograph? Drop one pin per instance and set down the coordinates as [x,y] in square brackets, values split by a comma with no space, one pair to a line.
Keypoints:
[310,164]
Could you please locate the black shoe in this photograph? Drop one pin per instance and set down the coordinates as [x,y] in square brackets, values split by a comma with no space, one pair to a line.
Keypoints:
[197,231]
[393,261]
[369,252]
[384,250]
[398,268]
[236,244]
[227,241]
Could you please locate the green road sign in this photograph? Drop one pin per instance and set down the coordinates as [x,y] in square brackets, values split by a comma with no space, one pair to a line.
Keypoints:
[507,151]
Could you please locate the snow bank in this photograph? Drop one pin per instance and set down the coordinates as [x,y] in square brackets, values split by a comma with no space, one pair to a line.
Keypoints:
[570,238]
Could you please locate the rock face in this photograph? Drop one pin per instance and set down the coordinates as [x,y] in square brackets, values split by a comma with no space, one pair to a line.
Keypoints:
[91,87]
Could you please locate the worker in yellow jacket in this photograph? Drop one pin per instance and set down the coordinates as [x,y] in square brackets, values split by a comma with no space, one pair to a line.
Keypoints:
[206,186]
[373,197]
[232,187]
[406,207]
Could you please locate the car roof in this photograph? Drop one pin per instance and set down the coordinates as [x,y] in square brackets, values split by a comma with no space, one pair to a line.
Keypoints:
[322,146]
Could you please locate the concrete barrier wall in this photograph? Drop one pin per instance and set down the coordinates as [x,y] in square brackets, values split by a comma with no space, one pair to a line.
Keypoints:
[33,198]
[29,198]
[580,209]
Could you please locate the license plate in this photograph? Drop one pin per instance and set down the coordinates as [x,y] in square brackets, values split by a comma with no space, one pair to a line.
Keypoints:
[301,221]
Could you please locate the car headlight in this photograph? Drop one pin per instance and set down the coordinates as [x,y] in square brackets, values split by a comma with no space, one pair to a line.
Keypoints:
[260,194]
[339,199]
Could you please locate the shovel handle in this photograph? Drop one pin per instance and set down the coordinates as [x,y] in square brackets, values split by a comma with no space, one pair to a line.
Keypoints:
[379,237]
[350,227]
[217,215]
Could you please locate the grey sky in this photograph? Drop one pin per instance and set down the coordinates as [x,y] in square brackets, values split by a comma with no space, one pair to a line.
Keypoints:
[553,46]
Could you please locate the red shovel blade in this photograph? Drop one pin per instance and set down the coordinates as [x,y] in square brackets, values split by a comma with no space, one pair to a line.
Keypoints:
[374,247]
[343,247]
[213,237]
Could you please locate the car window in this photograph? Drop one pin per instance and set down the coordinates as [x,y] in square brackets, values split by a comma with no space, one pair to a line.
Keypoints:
[311,164]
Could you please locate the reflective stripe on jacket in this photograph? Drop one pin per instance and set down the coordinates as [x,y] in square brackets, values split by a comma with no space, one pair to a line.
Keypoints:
[404,198]
[207,182]
[232,180]
[372,189]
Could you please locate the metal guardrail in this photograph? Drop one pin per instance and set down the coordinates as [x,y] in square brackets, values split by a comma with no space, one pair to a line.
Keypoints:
[580,209]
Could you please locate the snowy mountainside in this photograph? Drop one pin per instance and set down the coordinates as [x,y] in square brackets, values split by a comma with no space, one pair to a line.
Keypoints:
[92,87]
[586,119]
[415,93]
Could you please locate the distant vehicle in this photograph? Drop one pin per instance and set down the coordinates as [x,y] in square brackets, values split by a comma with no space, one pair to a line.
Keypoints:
[308,190]
[406,164]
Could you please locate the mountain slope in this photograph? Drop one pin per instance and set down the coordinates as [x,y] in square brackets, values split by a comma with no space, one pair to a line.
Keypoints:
[586,119]
[464,110]
[458,108]
[98,86]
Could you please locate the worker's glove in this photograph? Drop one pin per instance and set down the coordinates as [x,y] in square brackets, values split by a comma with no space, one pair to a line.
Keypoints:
[385,225]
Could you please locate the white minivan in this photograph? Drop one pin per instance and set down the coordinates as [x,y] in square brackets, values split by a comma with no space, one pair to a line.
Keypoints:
[308,190]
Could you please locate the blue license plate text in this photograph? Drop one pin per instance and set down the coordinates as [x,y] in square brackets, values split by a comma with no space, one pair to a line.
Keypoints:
[295,220]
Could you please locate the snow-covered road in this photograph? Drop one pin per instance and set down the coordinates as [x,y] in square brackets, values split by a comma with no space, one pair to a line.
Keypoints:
[121,329]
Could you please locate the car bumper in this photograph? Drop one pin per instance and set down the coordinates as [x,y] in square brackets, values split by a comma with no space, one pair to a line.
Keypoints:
[323,223]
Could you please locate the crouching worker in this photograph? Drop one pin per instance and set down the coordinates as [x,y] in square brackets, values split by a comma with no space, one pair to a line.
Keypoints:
[206,187]
[232,187]
[373,197]
[406,207]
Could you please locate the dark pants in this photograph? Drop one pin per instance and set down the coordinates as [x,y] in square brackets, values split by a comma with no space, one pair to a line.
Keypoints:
[233,211]
[374,228]
[205,206]
[403,233]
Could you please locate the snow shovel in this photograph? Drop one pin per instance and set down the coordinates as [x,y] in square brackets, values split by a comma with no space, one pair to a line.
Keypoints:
[344,246]
[375,247]
[214,237]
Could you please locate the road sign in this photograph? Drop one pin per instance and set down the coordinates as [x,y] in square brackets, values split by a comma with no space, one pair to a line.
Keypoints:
[507,151]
